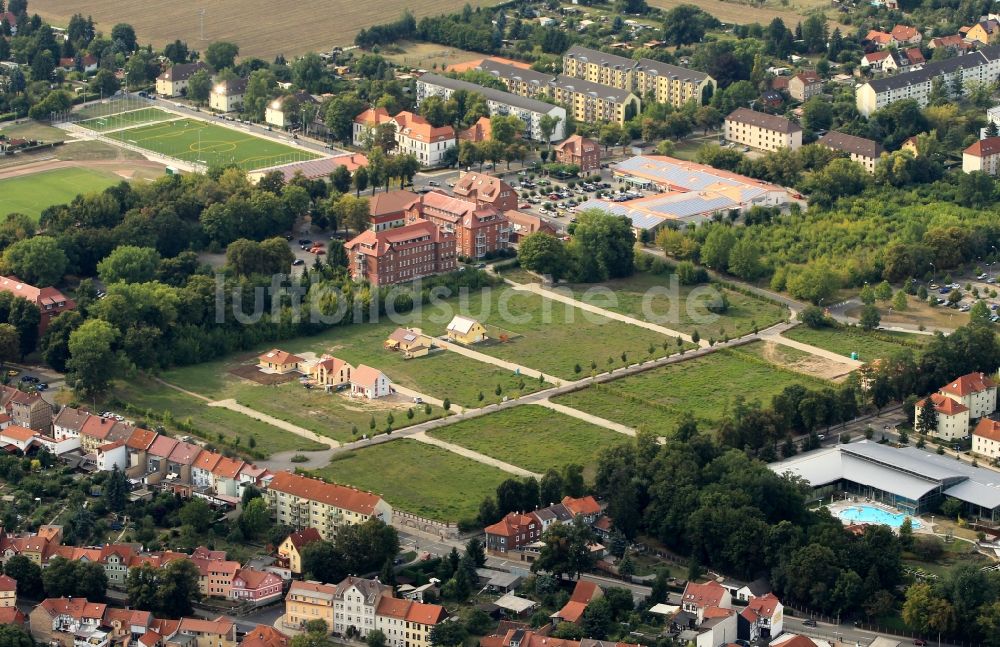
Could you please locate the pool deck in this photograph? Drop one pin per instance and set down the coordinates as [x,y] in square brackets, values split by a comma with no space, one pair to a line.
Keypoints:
[836,508]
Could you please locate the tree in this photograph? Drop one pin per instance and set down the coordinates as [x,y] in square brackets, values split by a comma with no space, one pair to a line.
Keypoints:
[817,114]
[93,361]
[870,317]
[603,246]
[368,545]
[105,83]
[340,179]
[10,344]
[308,72]
[28,575]
[883,291]
[926,612]
[178,589]
[683,25]
[123,37]
[566,549]
[68,578]
[980,314]
[38,260]
[717,246]
[551,486]
[899,302]
[14,636]
[545,254]
[597,619]
[116,490]
[221,55]
[474,551]
[375,638]
[360,179]
[176,51]
[255,518]
[906,534]
[130,264]
[197,514]
[199,87]
[926,422]
[547,125]
[321,561]
[448,634]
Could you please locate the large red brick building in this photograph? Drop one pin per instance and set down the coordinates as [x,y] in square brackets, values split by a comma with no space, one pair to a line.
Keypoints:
[401,254]
[50,301]
[388,209]
[486,190]
[580,151]
[478,229]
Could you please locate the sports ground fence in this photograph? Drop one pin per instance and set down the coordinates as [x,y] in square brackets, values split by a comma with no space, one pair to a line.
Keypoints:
[181,158]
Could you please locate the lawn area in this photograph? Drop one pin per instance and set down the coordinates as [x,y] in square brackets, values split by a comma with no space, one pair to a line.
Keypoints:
[152,400]
[328,414]
[868,345]
[658,299]
[554,337]
[441,374]
[31,194]
[126,119]
[706,386]
[194,140]
[532,437]
[955,553]
[418,478]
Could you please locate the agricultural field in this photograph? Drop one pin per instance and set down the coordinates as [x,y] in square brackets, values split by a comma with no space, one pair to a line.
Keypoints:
[652,298]
[198,141]
[126,119]
[152,400]
[299,27]
[745,12]
[419,478]
[706,386]
[441,374]
[869,346]
[32,193]
[554,337]
[533,437]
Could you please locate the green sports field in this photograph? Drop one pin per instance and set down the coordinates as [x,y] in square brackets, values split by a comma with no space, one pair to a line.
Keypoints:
[126,119]
[31,194]
[200,142]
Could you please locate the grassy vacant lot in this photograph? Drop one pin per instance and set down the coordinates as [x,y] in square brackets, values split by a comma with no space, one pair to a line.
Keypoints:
[745,12]
[419,478]
[31,194]
[153,399]
[869,346]
[427,56]
[333,415]
[441,374]
[298,27]
[683,308]
[532,437]
[194,140]
[798,360]
[553,337]
[126,119]
[656,400]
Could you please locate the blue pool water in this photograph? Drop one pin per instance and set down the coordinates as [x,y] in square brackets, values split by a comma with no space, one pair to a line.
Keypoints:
[871,514]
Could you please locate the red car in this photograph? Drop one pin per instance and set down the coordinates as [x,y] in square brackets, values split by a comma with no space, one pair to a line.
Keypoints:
[317,250]
[524,205]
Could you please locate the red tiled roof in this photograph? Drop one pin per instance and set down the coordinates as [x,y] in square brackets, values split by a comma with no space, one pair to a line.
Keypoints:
[340,496]
[207,460]
[879,37]
[11,616]
[365,375]
[277,356]
[571,611]
[984,147]
[973,382]
[304,537]
[717,612]
[264,636]
[228,468]
[989,429]
[19,433]
[162,446]
[703,595]
[254,579]
[944,405]
[219,626]
[583,506]
[77,608]
[585,591]
[107,447]
[510,525]
[576,144]
[141,439]
[411,611]
[903,32]
[7,583]
[765,605]
[376,244]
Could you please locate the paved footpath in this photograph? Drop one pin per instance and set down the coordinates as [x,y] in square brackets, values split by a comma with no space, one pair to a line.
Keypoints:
[502,363]
[232,405]
[812,350]
[410,393]
[609,314]
[421,436]
[592,419]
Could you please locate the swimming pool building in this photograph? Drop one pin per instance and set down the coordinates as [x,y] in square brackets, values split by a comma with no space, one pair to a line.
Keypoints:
[910,479]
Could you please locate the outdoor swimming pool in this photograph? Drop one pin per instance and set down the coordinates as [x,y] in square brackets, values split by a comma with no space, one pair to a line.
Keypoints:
[871,514]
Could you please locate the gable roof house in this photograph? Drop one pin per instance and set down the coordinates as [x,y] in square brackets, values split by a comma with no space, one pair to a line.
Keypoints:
[264,636]
[486,190]
[355,603]
[303,502]
[29,410]
[579,151]
[279,361]
[174,81]
[524,224]
[227,96]
[465,330]
[763,617]
[410,343]
[65,621]
[290,550]
[805,85]
[699,597]
[905,35]
[512,532]
[865,152]
[974,390]
[407,623]
[881,61]
[201,469]
[50,301]
[479,227]
[256,587]
[878,38]
[330,371]
[583,593]
[761,130]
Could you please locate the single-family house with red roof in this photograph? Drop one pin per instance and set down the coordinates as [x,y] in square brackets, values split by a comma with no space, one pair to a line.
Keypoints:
[513,532]
[763,617]
[368,382]
[583,594]
[279,361]
[986,438]
[255,587]
[698,597]
[290,550]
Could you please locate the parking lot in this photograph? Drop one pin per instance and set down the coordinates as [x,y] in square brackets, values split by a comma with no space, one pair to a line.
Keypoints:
[962,296]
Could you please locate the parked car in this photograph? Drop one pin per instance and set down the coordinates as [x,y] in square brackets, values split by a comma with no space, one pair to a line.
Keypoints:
[809,622]
[298,261]
[433,183]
